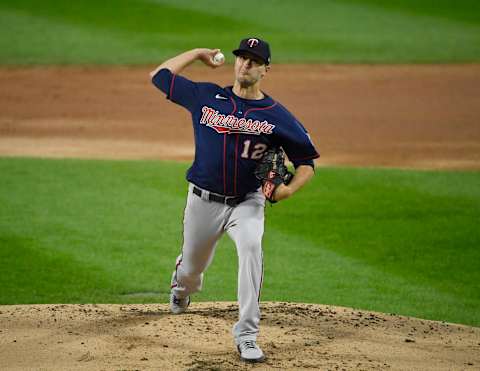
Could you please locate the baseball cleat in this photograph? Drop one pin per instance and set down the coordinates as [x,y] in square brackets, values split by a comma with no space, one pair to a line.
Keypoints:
[250,352]
[178,305]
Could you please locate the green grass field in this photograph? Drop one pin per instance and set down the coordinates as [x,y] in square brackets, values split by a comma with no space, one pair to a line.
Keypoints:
[74,231]
[148,31]
[397,241]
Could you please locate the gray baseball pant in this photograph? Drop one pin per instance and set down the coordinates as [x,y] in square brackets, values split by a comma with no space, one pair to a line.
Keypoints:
[204,223]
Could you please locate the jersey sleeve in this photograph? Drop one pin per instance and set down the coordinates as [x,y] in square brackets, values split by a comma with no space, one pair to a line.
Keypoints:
[178,89]
[297,144]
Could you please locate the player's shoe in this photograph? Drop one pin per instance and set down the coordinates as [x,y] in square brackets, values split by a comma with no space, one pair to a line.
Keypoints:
[250,352]
[178,305]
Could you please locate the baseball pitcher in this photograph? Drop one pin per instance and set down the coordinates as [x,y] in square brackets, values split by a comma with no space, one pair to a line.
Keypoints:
[241,138]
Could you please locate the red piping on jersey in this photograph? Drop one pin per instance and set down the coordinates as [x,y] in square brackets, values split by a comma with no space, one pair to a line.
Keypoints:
[259,109]
[171,86]
[225,155]
[225,163]
[181,255]
[261,282]
[234,106]
[179,262]
[235,176]
[176,268]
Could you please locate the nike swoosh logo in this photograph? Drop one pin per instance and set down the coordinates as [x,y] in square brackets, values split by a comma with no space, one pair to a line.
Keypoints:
[218,96]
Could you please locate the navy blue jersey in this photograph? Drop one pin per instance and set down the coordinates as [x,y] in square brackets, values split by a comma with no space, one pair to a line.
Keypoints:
[232,133]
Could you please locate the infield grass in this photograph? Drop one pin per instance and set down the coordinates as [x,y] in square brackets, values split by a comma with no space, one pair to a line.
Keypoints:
[148,31]
[78,231]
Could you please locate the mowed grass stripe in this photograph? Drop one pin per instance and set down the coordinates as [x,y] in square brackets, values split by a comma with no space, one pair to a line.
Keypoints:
[420,224]
[109,231]
[323,275]
[148,31]
[467,11]
[102,215]
[32,273]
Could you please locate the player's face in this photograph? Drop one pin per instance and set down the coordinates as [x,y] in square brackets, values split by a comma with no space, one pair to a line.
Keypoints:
[249,69]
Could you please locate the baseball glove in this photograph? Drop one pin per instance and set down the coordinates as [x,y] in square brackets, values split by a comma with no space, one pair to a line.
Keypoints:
[272,172]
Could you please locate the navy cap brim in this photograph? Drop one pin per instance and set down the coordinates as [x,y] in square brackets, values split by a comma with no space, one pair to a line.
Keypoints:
[237,52]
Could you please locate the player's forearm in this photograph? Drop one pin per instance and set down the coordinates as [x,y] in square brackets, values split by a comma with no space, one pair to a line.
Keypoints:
[178,63]
[303,174]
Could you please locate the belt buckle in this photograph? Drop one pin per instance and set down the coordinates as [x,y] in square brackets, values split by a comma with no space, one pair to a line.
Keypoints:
[205,195]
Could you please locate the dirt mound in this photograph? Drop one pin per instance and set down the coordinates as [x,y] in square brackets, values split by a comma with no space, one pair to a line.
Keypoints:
[293,336]
[403,116]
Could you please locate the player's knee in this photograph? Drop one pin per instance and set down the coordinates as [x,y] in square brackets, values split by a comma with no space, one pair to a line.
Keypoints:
[250,246]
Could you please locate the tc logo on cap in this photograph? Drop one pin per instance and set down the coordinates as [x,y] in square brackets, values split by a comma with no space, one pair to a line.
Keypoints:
[252,43]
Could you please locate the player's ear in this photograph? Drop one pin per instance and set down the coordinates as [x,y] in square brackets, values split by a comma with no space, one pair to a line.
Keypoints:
[267,68]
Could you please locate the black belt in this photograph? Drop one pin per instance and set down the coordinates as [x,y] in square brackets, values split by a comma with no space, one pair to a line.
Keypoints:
[227,200]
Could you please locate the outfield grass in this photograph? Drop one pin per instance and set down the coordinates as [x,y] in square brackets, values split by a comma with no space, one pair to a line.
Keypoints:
[109,231]
[148,31]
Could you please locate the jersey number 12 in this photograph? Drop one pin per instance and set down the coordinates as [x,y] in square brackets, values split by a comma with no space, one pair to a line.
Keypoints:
[257,151]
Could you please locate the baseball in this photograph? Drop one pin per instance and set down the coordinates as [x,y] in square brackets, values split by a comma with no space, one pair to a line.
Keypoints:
[219,58]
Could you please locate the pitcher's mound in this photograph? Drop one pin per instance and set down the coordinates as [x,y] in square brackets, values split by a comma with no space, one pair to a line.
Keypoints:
[293,337]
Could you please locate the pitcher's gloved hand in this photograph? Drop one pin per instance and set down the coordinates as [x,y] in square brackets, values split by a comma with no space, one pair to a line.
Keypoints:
[272,172]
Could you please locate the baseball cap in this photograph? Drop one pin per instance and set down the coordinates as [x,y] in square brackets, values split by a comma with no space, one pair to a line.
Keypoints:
[256,47]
